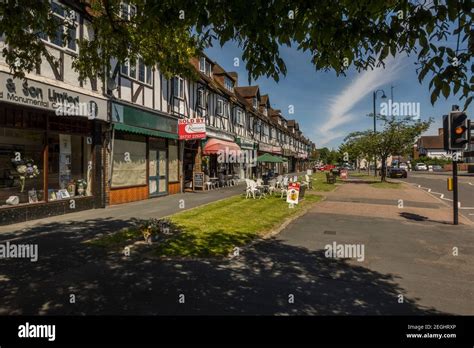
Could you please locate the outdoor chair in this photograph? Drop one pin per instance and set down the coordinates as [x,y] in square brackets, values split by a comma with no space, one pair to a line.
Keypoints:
[278,181]
[308,181]
[209,184]
[272,186]
[252,189]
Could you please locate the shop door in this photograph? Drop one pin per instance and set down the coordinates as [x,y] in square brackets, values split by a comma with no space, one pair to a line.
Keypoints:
[157,179]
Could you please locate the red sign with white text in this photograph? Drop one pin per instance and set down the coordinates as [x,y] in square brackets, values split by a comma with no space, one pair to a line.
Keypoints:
[191,128]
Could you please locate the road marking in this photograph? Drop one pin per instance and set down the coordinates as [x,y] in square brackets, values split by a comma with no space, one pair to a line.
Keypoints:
[470,183]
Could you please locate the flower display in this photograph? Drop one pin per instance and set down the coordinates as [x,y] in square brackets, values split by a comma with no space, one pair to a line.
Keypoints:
[26,168]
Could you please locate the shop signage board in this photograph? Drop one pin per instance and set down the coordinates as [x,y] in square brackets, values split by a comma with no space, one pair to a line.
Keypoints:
[293,193]
[198,180]
[265,148]
[191,128]
[40,95]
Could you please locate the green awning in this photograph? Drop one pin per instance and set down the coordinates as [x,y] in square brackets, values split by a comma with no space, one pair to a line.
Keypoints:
[269,158]
[144,131]
[284,159]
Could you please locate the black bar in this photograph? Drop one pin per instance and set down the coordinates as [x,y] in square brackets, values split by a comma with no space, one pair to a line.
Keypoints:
[455,193]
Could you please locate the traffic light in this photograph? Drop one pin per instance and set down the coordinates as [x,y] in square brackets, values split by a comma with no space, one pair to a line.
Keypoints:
[456,131]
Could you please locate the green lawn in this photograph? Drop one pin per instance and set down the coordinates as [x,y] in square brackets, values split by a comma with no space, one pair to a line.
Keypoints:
[217,228]
[375,181]
[319,182]
[385,185]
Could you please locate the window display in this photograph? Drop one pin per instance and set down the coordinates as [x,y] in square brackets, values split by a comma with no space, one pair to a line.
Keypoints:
[129,161]
[173,164]
[69,166]
[21,166]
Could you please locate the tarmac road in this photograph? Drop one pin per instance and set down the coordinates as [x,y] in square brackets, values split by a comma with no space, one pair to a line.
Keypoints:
[438,183]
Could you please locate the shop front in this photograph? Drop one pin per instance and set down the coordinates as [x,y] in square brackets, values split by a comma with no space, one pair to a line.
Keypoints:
[144,155]
[249,147]
[220,155]
[290,160]
[50,150]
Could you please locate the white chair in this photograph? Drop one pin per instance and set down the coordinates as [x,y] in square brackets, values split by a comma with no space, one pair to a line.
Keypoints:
[272,186]
[278,181]
[284,184]
[209,184]
[308,181]
[252,189]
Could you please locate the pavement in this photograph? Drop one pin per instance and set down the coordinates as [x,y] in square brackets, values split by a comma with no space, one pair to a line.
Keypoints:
[408,252]
[120,215]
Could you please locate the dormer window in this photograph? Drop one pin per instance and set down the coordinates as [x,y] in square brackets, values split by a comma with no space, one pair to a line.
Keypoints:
[205,66]
[265,111]
[228,84]
[255,103]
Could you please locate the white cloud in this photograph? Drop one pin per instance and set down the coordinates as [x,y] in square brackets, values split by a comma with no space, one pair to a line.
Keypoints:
[339,107]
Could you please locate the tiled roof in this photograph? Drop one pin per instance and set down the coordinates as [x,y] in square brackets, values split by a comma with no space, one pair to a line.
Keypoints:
[247,91]
[431,142]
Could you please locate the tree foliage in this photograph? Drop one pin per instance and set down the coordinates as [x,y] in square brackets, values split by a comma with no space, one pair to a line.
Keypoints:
[337,34]
[397,138]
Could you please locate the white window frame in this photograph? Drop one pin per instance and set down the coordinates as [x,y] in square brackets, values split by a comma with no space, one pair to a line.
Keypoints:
[69,15]
[205,66]
[148,70]
[239,117]
[220,107]
[228,84]
[255,103]
[178,88]
[131,10]
[226,109]
[201,95]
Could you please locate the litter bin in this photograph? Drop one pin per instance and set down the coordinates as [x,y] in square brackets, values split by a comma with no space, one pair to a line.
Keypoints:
[303,188]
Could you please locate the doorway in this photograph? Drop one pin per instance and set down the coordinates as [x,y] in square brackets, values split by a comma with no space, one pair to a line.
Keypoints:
[157,169]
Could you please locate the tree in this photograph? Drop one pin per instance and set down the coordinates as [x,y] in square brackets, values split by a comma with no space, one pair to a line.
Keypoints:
[396,138]
[338,34]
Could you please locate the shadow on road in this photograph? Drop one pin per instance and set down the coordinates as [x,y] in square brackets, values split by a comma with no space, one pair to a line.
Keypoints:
[260,281]
[417,217]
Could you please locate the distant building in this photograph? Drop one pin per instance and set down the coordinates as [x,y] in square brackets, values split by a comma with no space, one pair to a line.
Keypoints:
[431,146]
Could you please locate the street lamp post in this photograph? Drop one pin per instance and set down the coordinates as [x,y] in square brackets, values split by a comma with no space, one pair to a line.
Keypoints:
[375,123]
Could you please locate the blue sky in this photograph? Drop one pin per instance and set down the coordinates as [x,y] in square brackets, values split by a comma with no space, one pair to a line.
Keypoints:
[328,107]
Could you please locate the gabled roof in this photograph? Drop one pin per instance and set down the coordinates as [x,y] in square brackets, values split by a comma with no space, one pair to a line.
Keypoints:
[248,91]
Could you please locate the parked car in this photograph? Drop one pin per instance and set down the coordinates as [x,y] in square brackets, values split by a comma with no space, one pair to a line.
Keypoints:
[421,166]
[403,166]
[437,168]
[396,172]
[327,167]
[347,166]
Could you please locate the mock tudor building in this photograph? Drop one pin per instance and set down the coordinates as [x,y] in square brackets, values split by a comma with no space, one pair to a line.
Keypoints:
[67,145]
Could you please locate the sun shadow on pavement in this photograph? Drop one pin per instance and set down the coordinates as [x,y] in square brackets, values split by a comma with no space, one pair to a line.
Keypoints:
[417,217]
[259,281]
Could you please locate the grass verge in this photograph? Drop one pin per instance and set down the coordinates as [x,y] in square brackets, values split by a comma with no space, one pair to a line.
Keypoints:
[215,229]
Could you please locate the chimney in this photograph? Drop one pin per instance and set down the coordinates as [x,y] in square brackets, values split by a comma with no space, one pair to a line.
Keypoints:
[440,131]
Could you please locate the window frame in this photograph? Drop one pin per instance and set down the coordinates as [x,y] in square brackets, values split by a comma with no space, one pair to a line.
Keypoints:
[220,110]
[63,18]
[178,87]
[148,72]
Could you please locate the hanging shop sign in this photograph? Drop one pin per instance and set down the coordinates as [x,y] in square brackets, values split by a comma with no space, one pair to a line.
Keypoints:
[63,102]
[191,128]
[293,193]
[245,143]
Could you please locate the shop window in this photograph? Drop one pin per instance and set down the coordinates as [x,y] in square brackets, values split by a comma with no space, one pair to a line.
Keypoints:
[69,167]
[21,167]
[173,165]
[129,161]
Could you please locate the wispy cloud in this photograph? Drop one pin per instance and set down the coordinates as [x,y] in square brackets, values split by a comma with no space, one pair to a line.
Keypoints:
[340,108]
